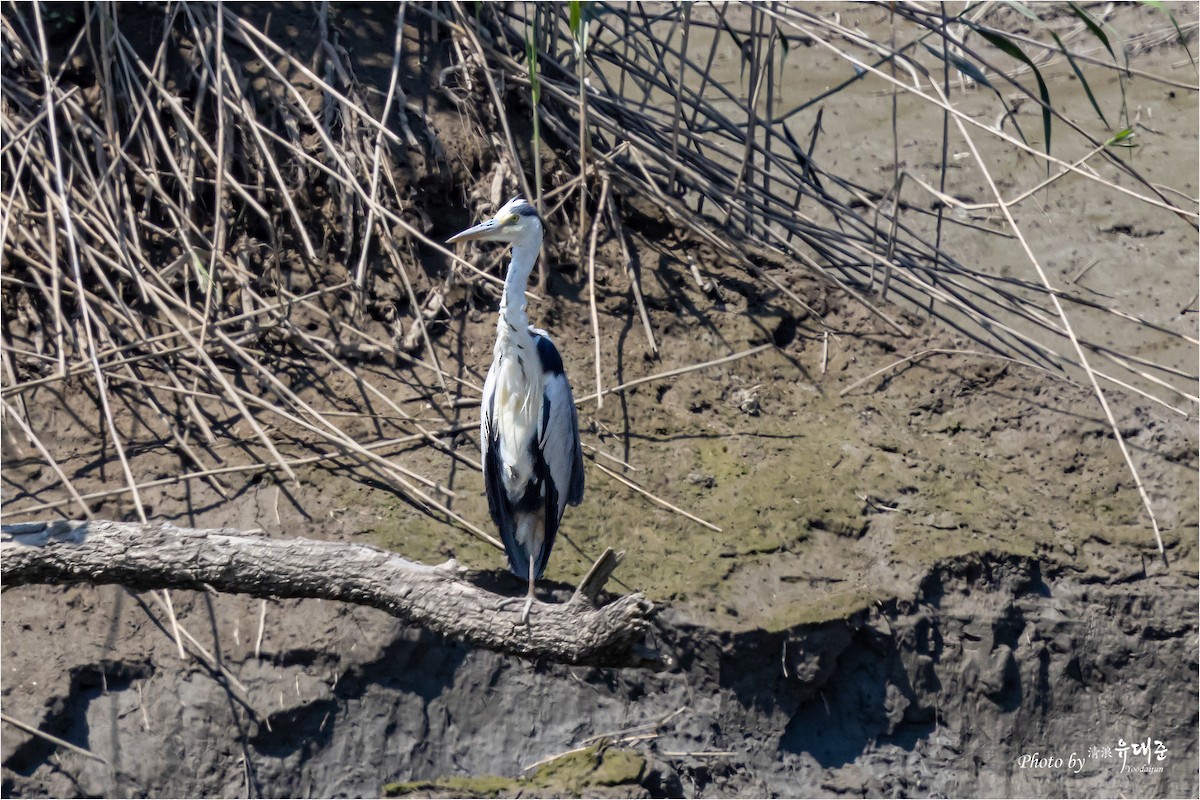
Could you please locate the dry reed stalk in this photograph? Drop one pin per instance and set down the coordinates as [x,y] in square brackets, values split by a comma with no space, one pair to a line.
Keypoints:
[259,466]
[73,253]
[50,460]
[592,292]
[54,740]
[635,282]
[1066,323]
[653,497]
[377,159]
[1190,217]
[674,373]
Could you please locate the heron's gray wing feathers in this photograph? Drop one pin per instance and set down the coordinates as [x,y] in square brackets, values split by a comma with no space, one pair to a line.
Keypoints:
[575,488]
[559,434]
[558,458]
[560,442]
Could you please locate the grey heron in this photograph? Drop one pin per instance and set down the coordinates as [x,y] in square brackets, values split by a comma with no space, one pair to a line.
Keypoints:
[532,460]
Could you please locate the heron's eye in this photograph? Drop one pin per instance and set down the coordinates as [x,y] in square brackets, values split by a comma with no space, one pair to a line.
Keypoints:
[511,220]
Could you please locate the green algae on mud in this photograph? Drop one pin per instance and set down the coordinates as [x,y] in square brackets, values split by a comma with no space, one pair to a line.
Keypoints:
[595,771]
[827,503]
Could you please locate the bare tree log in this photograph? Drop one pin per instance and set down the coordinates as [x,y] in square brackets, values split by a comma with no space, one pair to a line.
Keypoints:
[162,556]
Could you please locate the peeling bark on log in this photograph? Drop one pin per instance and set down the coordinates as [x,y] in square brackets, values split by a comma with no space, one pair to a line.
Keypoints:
[162,556]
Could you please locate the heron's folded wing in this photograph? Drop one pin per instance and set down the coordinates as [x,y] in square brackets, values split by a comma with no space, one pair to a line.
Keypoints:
[560,443]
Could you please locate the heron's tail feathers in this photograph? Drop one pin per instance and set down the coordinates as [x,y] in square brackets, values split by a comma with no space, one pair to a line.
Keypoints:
[526,538]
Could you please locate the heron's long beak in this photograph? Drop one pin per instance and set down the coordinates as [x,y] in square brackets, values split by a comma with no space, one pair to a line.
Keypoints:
[483,230]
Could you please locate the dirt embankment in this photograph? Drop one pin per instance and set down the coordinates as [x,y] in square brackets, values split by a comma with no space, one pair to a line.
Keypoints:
[991,660]
[918,581]
[917,584]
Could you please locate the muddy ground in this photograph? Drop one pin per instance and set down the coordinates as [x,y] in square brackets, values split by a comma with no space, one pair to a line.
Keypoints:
[917,581]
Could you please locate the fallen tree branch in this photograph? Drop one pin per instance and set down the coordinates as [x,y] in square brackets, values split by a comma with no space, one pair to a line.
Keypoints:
[161,556]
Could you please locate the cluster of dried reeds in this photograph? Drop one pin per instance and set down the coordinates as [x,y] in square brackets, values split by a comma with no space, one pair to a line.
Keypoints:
[662,128]
[151,224]
[731,167]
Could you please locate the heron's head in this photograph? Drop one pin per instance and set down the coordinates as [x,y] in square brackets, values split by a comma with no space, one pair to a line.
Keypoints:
[515,221]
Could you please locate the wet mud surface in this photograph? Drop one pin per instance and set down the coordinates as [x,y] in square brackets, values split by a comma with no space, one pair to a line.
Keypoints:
[920,577]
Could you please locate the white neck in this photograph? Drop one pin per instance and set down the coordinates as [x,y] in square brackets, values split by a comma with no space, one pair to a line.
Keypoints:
[512,304]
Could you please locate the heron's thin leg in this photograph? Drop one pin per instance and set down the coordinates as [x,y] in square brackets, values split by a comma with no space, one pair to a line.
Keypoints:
[528,597]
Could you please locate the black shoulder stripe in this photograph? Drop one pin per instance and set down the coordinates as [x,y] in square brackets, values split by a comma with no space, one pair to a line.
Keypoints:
[552,363]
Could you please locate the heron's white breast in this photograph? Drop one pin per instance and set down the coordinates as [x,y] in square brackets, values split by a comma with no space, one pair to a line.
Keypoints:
[519,388]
